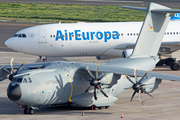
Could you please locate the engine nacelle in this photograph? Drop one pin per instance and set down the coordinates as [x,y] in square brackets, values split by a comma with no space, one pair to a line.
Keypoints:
[127,53]
[152,84]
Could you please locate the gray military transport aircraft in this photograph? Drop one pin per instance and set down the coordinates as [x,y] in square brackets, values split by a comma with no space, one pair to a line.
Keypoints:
[90,84]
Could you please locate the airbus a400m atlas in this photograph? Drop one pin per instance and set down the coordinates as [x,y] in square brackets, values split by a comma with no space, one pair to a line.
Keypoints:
[88,84]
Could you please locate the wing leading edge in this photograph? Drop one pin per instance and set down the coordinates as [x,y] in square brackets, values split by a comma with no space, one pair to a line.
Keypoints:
[130,72]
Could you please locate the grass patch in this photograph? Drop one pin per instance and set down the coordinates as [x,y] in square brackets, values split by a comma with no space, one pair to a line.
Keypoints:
[67,13]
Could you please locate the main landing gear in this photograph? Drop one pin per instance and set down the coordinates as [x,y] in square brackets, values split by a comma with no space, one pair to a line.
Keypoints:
[101,107]
[174,65]
[28,110]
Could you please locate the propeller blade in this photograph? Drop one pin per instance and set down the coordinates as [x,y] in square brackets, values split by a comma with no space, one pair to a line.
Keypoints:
[135,74]
[140,97]
[95,97]
[130,79]
[12,68]
[97,71]
[101,77]
[143,77]
[19,68]
[133,95]
[103,93]
[87,89]
[146,92]
[90,73]
[6,70]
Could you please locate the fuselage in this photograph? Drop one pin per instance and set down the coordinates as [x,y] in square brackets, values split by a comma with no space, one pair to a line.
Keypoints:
[61,81]
[84,39]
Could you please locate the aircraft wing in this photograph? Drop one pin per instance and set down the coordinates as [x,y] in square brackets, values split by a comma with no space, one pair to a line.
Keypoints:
[130,72]
[28,65]
[3,73]
[131,45]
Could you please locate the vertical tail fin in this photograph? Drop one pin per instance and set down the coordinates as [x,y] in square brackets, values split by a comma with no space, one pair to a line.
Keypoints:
[152,31]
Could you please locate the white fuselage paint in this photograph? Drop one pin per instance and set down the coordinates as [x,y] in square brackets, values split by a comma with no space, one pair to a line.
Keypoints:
[44,40]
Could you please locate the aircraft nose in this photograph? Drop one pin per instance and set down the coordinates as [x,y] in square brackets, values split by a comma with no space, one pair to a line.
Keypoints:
[14,92]
[9,43]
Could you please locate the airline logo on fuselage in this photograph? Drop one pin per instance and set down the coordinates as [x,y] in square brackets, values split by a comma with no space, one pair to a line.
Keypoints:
[92,35]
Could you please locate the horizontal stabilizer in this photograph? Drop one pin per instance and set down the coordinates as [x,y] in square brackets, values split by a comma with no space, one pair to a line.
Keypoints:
[154,11]
[135,8]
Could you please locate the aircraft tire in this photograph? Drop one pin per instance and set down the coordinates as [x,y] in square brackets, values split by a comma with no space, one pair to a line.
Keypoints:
[26,110]
[106,107]
[31,111]
[175,66]
[169,61]
[160,63]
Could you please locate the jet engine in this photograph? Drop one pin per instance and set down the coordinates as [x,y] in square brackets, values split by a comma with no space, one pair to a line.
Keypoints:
[127,53]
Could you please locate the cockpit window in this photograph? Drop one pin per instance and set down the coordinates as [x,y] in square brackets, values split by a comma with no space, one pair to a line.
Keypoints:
[16,80]
[19,80]
[23,35]
[20,35]
[24,81]
[15,35]
[29,80]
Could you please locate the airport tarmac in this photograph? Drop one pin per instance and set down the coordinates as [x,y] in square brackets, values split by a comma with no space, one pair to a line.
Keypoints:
[164,106]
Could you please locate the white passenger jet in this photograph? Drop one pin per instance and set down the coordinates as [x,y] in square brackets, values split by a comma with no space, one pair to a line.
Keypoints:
[106,40]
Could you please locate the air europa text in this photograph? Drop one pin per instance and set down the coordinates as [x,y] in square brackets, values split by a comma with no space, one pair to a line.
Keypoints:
[92,35]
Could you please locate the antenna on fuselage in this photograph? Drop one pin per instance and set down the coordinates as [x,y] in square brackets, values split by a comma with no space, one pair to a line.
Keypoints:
[59,22]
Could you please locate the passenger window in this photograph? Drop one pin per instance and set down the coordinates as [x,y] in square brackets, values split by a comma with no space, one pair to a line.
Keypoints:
[173,32]
[121,34]
[137,33]
[167,33]
[128,34]
[176,32]
[24,81]
[51,35]
[164,33]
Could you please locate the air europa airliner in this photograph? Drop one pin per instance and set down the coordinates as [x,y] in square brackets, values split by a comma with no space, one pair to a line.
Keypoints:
[104,40]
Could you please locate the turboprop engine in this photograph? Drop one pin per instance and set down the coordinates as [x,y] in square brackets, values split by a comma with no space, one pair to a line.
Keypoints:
[150,84]
[144,85]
